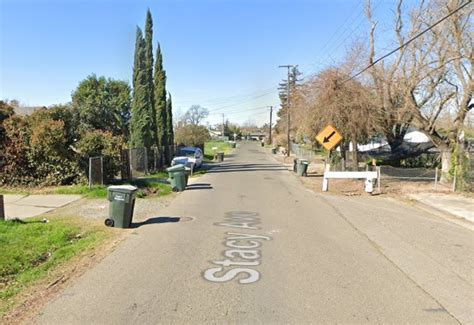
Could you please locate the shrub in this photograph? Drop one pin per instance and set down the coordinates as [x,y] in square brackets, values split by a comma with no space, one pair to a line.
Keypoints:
[191,135]
[101,143]
[35,152]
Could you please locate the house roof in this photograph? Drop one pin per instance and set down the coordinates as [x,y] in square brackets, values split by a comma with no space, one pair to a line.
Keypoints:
[26,110]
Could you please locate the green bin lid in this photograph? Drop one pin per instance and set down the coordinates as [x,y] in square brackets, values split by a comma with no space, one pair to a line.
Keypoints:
[122,188]
[176,168]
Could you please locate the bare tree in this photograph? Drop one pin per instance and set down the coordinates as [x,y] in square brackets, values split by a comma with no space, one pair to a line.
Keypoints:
[195,114]
[393,114]
[438,72]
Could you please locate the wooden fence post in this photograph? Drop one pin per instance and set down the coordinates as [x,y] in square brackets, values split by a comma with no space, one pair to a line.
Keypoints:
[2,209]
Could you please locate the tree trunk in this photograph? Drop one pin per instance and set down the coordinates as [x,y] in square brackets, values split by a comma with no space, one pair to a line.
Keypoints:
[344,146]
[355,158]
[445,163]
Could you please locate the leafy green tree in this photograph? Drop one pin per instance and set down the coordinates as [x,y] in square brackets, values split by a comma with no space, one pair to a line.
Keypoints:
[100,143]
[141,121]
[169,126]
[6,110]
[160,100]
[149,74]
[102,104]
[67,114]
[169,119]
[230,129]
[191,135]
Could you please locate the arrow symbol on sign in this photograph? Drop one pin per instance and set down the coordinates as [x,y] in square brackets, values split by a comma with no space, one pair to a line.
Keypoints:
[326,139]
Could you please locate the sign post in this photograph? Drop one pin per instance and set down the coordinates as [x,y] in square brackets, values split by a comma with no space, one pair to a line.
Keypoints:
[329,138]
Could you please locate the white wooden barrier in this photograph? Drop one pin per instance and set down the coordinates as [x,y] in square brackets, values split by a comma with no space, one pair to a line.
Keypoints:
[368,176]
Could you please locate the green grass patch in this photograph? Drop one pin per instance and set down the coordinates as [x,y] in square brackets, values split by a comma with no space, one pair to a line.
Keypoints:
[95,192]
[8,190]
[221,147]
[163,174]
[151,187]
[31,249]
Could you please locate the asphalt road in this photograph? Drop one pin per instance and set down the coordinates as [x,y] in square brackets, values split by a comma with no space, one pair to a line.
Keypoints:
[263,249]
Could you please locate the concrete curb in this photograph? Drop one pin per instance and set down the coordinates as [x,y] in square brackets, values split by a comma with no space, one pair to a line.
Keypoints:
[441,214]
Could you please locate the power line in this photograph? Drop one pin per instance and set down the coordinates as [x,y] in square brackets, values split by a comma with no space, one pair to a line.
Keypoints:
[241,102]
[341,27]
[241,110]
[228,98]
[353,30]
[325,49]
[407,42]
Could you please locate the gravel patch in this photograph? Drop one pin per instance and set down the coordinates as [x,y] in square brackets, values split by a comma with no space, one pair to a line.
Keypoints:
[99,208]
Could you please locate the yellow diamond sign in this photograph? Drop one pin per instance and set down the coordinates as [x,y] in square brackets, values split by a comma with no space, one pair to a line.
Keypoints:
[329,137]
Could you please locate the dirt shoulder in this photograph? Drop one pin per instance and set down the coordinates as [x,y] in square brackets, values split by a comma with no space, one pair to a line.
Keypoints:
[90,212]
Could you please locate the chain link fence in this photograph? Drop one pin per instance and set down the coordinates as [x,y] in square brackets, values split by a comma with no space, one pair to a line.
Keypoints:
[137,162]
[303,153]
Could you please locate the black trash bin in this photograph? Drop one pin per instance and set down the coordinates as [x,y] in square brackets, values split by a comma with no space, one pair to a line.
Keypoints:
[122,204]
[302,167]
[220,156]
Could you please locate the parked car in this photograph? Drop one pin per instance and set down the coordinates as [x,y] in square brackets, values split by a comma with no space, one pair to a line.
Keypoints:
[187,156]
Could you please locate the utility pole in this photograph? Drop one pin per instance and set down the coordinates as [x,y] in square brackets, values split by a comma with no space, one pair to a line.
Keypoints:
[223,126]
[288,66]
[270,127]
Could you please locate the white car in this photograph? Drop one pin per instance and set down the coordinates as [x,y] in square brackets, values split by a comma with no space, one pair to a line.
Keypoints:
[188,155]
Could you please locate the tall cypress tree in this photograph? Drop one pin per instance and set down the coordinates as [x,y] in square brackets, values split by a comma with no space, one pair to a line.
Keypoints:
[140,123]
[169,125]
[160,100]
[149,74]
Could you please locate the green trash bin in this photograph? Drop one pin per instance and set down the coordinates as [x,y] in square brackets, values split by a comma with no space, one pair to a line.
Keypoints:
[302,167]
[188,172]
[220,156]
[177,177]
[234,144]
[121,206]
[274,151]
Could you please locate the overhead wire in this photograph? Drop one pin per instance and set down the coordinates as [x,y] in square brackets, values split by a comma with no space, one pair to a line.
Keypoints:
[325,49]
[241,102]
[228,98]
[407,42]
[241,110]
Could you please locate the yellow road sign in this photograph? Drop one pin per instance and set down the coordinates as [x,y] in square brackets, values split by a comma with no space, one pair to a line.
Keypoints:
[329,137]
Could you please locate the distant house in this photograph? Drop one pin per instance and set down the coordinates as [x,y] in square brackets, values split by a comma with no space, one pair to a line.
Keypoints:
[256,136]
[413,136]
[26,110]
[215,133]
[416,136]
